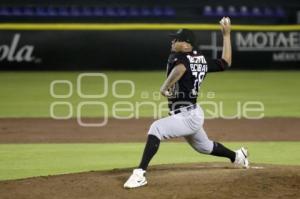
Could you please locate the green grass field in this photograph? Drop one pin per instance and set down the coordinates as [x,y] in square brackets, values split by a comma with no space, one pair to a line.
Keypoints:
[27,94]
[26,160]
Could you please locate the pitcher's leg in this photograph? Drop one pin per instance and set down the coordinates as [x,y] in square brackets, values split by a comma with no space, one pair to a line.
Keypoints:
[201,143]
[164,128]
[222,151]
[171,127]
[150,150]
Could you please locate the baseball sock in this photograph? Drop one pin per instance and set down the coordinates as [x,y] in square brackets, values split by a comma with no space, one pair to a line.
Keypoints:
[150,150]
[222,151]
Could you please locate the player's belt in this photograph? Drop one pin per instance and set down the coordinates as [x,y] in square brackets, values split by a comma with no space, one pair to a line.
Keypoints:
[183,109]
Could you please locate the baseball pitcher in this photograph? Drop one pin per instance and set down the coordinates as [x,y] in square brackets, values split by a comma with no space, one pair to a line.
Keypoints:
[186,69]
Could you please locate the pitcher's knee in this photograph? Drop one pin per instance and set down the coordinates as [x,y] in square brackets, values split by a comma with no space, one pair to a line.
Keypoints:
[155,130]
[205,147]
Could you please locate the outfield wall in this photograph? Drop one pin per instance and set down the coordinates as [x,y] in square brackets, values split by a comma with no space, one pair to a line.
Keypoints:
[139,46]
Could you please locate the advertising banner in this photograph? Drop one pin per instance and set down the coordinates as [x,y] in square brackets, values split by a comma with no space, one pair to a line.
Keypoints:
[139,49]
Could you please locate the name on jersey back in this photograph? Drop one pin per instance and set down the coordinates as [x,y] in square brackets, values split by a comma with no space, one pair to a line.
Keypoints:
[197,63]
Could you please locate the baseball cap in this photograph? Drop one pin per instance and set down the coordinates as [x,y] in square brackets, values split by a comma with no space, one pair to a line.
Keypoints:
[184,35]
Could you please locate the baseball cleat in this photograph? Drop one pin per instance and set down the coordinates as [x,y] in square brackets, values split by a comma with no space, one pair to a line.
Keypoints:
[241,158]
[137,179]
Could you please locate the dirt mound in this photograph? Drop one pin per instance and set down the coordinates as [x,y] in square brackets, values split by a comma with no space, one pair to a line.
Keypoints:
[210,180]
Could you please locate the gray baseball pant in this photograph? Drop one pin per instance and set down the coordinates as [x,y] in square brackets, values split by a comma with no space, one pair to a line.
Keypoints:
[187,124]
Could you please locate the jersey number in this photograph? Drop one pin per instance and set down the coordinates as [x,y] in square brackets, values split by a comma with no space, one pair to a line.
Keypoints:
[199,76]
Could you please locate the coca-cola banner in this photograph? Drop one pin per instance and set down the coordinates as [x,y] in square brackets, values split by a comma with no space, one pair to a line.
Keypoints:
[139,49]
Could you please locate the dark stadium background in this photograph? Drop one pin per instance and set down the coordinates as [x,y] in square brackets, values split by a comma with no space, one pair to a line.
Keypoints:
[135,48]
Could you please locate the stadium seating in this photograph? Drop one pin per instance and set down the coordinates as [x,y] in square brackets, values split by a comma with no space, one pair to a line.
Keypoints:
[87,11]
[243,11]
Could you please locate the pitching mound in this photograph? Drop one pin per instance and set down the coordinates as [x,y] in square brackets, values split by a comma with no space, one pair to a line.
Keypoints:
[210,180]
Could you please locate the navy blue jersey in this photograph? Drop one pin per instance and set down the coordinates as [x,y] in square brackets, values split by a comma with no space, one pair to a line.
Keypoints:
[185,91]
